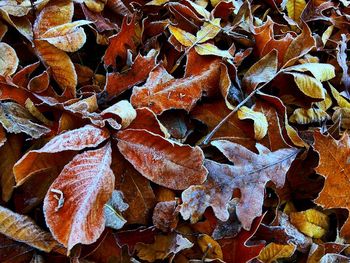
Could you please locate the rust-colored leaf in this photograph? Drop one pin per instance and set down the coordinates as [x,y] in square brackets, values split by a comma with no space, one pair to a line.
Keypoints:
[74,203]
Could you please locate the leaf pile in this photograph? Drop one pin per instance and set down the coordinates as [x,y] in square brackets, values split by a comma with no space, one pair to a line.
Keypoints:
[174,131]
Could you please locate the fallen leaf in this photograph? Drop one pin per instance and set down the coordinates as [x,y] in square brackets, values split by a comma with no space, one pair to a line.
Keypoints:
[8,60]
[260,121]
[50,154]
[16,119]
[161,160]
[250,174]
[23,229]
[74,203]
[273,252]
[163,247]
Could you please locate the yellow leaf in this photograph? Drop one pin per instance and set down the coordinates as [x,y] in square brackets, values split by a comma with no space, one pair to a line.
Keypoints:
[306,116]
[327,34]
[311,222]
[341,101]
[8,60]
[68,37]
[295,8]
[208,31]
[310,86]
[260,121]
[210,49]
[157,2]
[321,71]
[185,38]
[199,6]
[326,103]
[272,252]
[95,5]
[210,247]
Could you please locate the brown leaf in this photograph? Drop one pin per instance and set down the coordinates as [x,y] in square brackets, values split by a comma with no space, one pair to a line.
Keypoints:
[51,155]
[165,215]
[127,38]
[14,252]
[22,228]
[74,203]
[16,119]
[136,190]
[162,91]
[117,83]
[334,166]
[9,153]
[250,174]
[162,161]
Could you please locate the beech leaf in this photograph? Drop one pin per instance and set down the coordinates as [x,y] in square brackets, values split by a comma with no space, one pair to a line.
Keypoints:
[83,188]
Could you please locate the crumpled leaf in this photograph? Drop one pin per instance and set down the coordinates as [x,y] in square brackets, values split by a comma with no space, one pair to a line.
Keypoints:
[261,72]
[74,203]
[23,229]
[163,92]
[163,247]
[306,116]
[50,155]
[260,121]
[162,161]
[8,60]
[224,178]
[16,119]
[310,222]
[112,210]
[273,252]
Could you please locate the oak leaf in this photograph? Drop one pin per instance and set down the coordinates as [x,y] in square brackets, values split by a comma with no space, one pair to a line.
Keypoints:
[74,203]
[250,173]
[333,166]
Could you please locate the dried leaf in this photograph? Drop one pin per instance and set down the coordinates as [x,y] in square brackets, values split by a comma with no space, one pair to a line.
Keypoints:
[273,252]
[23,229]
[74,203]
[224,178]
[8,60]
[162,161]
[50,155]
[260,121]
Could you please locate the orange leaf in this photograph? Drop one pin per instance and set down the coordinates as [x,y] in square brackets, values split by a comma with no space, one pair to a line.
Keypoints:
[51,155]
[334,166]
[162,161]
[82,189]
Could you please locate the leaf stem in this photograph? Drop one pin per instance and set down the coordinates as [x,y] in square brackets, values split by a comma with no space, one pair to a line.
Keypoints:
[218,126]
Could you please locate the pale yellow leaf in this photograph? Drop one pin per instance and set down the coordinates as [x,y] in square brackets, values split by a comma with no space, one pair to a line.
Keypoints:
[260,121]
[321,71]
[341,101]
[327,34]
[311,222]
[210,49]
[157,2]
[8,60]
[68,37]
[95,5]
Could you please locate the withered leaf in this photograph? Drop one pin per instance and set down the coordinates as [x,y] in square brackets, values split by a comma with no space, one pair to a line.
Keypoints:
[250,173]
[161,160]
[74,203]
[50,154]
[22,228]
[16,119]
